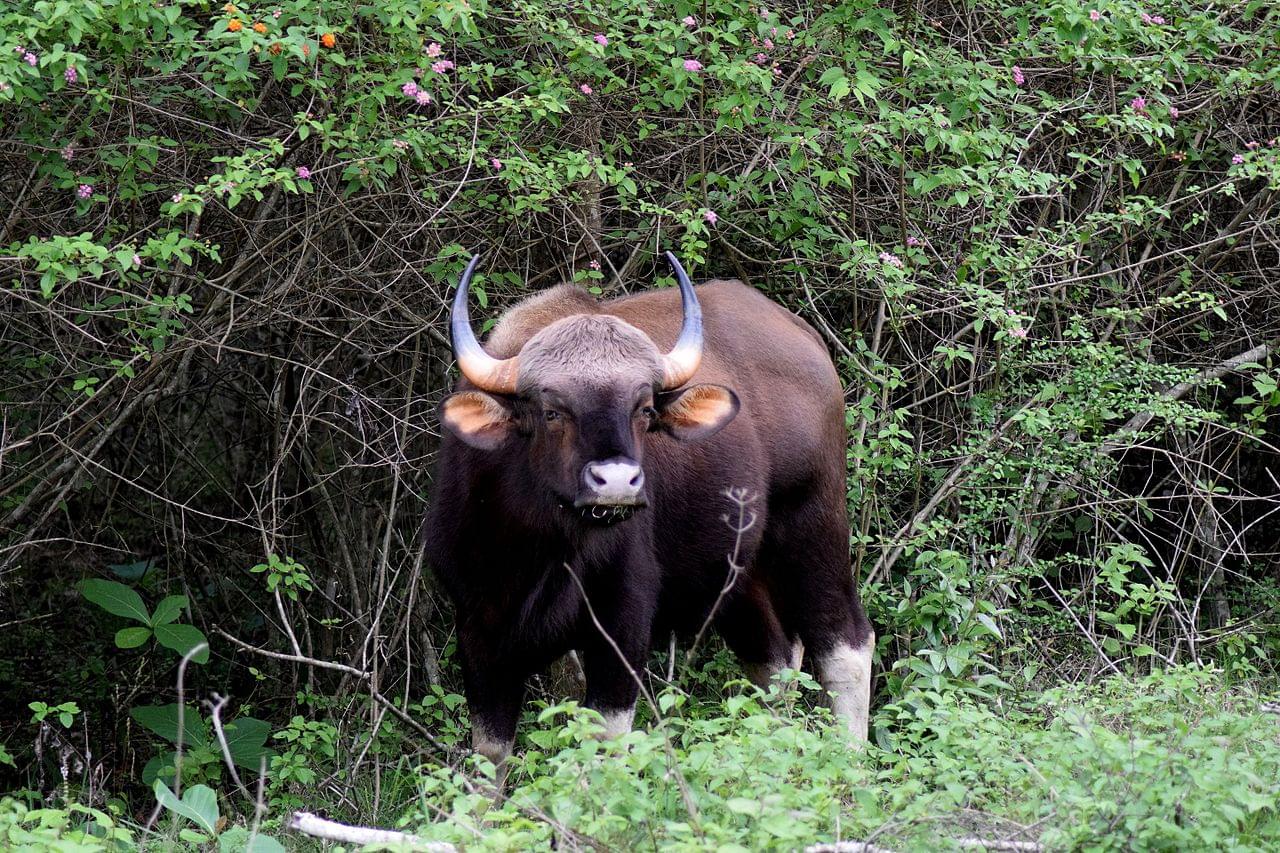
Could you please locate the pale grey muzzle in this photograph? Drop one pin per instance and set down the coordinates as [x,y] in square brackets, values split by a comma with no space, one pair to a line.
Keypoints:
[612,482]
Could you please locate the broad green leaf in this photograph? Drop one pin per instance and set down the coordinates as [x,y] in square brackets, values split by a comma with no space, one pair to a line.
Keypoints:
[245,741]
[168,610]
[115,598]
[163,720]
[182,639]
[131,638]
[199,804]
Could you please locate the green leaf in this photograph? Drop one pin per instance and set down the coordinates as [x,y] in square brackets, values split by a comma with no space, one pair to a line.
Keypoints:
[131,638]
[245,741]
[199,804]
[168,610]
[115,598]
[163,720]
[182,639]
[237,839]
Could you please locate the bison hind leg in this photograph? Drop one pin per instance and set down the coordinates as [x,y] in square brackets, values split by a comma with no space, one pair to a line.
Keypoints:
[805,563]
[749,624]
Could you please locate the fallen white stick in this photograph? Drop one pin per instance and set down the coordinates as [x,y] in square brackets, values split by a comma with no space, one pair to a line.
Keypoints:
[318,827]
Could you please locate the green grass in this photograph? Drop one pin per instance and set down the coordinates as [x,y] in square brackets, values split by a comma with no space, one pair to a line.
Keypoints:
[1172,761]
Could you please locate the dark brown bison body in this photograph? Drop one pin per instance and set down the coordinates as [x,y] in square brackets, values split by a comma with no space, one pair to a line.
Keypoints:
[582,459]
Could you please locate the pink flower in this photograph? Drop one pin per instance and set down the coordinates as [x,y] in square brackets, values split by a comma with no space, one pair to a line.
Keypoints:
[692,66]
[137,261]
[68,152]
[602,39]
[304,172]
[495,163]
[84,191]
[913,241]
[277,13]
[1138,104]
[891,259]
[768,44]
[790,34]
[1173,112]
[1146,19]
[586,90]
[1156,19]
[410,89]
[177,198]
[761,58]
[1018,332]
[423,97]
[70,75]
[773,31]
[711,216]
[400,144]
[433,50]
[689,21]
[1237,159]
[30,59]
[441,66]
[4,87]
[1018,77]
[1252,146]
[1094,15]
[595,265]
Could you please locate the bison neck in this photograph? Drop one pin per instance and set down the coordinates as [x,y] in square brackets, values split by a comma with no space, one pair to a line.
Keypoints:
[504,551]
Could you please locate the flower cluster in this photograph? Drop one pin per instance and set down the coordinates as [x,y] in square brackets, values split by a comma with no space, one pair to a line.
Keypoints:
[693,66]
[70,75]
[1152,19]
[1138,104]
[84,191]
[1018,77]
[891,259]
[420,96]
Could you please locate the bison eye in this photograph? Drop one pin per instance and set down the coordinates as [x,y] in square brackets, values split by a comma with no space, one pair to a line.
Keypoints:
[649,412]
[550,415]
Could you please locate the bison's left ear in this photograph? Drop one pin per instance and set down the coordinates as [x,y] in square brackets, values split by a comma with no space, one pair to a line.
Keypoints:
[481,420]
[698,411]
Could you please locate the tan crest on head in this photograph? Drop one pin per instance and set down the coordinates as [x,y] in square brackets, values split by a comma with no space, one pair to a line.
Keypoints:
[588,348]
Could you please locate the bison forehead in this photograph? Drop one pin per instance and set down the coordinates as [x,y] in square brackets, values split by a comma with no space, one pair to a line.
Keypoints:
[590,349]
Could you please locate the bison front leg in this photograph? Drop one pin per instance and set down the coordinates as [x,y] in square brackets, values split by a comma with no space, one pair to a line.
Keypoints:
[612,685]
[615,648]
[495,693]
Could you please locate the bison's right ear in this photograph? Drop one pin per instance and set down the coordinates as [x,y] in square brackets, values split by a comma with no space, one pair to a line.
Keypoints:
[481,420]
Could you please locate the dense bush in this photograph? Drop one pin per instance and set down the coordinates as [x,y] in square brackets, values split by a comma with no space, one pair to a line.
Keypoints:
[1040,238]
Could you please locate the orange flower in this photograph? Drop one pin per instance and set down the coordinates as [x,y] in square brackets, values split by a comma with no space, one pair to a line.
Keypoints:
[328,40]
[260,28]
[230,8]
[234,25]
[276,48]
[306,50]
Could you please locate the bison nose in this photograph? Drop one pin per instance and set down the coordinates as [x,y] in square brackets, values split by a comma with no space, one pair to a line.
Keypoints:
[612,482]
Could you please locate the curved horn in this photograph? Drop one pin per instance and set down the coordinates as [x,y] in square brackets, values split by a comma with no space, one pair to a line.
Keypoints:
[679,365]
[485,372]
